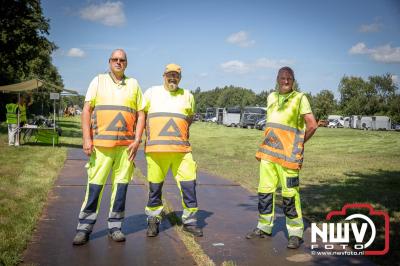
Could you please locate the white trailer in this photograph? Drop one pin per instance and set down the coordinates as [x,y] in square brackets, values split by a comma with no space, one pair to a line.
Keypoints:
[355,121]
[366,123]
[381,123]
[346,122]
[231,116]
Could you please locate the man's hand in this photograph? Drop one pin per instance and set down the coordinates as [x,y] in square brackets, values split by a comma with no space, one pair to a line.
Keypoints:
[87,146]
[132,149]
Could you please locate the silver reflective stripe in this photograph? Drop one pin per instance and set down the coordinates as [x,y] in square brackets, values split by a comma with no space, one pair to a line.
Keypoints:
[88,216]
[114,107]
[189,221]
[188,215]
[280,156]
[85,227]
[154,213]
[117,215]
[114,137]
[165,114]
[167,142]
[114,225]
[296,149]
[292,129]
[95,127]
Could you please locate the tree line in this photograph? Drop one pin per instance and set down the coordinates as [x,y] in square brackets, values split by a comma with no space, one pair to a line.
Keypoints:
[26,52]
[377,95]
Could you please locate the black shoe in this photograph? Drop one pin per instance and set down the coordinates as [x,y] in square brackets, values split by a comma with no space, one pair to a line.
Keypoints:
[257,233]
[193,229]
[81,238]
[294,242]
[117,236]
[152,226]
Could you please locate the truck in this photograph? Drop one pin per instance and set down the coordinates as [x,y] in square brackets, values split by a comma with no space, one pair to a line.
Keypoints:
[251,115]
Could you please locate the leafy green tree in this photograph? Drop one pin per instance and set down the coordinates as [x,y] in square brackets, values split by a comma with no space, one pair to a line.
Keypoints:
[25,51]
[323,104]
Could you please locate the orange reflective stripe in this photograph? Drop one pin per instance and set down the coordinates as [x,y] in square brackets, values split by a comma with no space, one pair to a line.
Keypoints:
[167,132]
[113,125]
[282,144]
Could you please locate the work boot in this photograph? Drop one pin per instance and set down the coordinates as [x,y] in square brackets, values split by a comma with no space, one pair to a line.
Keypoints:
[294,242]
[257,233]
[117,236]
[152,226]
[81,237]
[193,229]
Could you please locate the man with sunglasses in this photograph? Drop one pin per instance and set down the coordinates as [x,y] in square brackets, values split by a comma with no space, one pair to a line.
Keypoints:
[112,127]
[170,111]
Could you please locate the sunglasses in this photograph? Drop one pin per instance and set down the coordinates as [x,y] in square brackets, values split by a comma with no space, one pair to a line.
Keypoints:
[119,60]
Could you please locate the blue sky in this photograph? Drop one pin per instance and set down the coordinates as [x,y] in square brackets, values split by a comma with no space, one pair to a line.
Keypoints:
[220,43]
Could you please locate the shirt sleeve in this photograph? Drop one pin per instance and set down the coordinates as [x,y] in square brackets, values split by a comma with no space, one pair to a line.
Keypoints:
[92,91]
[305,107]
[191,111]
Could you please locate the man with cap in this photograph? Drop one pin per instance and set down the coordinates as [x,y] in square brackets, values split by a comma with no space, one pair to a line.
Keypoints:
[290,123]
[112,126]
[169,111]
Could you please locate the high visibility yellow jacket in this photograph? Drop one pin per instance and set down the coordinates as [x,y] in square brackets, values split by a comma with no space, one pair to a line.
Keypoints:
[285,129]
[168,116]
[114,115]
[12,113]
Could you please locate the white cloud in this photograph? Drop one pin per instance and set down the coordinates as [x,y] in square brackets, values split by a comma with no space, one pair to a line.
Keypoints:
[235,66]
[240,38]
[110,13]
[76,52]
[359,48]
[373,27]
[271,63]
[384,54]
[240,67]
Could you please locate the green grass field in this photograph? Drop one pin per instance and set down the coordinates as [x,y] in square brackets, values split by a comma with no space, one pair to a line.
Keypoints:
[27,173]
[341,166]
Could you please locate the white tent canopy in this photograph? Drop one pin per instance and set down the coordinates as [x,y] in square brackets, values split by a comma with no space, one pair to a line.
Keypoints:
[32,85]
[22,86]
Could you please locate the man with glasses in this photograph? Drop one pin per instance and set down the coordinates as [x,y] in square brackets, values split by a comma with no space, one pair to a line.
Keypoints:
[290,123]
[112,126]
[170,111]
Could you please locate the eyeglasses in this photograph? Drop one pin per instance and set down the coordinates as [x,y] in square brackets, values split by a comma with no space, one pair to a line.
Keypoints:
[119,60]
[173,75]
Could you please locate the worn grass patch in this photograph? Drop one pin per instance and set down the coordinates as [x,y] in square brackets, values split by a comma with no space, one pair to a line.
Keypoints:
[341,166]
[27,173]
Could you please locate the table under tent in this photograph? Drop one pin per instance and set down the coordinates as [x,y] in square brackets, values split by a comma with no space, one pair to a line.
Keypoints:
[45,131]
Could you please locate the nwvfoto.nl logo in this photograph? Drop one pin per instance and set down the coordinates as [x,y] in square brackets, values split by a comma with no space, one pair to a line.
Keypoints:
[337,236]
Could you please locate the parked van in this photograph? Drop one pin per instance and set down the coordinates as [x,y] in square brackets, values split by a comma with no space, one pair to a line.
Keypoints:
[251,115]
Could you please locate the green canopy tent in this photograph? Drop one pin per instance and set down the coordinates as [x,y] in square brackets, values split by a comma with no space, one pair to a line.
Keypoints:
[31,85]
